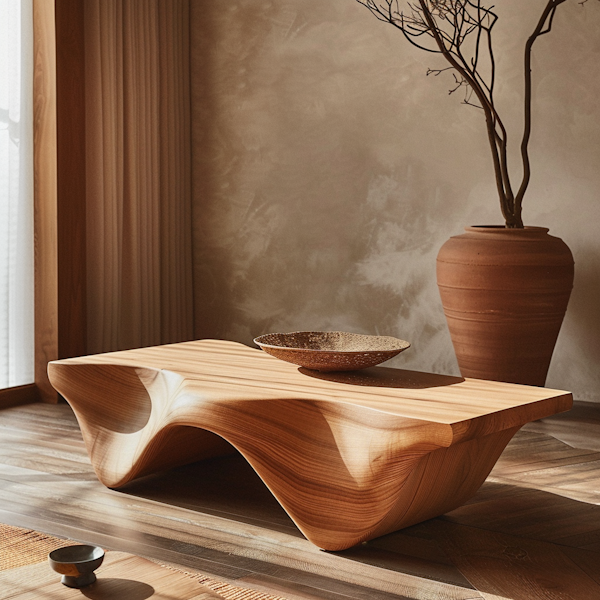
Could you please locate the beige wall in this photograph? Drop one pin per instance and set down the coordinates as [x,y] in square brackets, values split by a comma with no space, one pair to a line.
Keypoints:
[328,170]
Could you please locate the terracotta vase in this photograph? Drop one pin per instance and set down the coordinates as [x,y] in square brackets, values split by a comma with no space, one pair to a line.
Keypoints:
[505,293]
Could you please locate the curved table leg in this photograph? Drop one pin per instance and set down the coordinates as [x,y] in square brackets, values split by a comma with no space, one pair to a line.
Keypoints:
[344,473]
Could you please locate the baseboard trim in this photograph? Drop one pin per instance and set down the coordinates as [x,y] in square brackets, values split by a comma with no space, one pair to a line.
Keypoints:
[22,394]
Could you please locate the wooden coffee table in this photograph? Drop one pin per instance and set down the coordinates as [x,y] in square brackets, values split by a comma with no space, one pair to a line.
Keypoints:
[349,456]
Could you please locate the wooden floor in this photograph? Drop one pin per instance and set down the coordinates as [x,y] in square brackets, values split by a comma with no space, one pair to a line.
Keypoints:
[531,532]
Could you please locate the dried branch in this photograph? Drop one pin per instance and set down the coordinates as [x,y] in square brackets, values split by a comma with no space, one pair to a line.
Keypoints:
[461,31]
[496,132]
[544,26]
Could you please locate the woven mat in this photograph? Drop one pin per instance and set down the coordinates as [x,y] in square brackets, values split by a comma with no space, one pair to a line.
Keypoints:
[20,547]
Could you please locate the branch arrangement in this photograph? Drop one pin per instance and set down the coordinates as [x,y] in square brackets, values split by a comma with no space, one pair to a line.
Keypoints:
[461,30]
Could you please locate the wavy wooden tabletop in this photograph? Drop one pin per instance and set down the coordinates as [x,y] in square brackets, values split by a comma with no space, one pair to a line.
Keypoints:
[234,369]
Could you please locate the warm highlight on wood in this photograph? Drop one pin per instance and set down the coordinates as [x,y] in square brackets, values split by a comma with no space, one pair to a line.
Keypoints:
[349,456]
[531,531]
[45,194]
[59,185]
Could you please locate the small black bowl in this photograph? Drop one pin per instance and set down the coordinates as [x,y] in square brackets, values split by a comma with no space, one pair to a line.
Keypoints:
[76,564]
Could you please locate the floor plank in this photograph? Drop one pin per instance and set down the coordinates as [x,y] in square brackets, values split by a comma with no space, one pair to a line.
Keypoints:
[578,427]
[516,567]
[120,576]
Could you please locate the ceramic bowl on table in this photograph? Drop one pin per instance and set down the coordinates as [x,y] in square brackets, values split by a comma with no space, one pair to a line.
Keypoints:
[76,564]
[331,350]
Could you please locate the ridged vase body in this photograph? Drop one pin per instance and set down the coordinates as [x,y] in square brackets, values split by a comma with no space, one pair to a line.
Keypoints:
[505,293]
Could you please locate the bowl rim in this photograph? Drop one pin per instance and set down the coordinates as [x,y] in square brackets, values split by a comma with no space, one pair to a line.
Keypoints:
[92,548]
[402,344]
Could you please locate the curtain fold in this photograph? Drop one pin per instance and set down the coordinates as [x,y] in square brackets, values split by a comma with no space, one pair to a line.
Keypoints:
[138,156]
[16,194]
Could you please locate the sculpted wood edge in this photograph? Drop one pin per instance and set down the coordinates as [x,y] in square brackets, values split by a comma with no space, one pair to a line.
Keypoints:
[344,472]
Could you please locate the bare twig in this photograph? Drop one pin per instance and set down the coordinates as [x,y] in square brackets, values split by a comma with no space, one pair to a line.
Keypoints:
[461,31]
[544,26]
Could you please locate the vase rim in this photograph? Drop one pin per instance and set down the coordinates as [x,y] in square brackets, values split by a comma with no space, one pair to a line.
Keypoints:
[501,228]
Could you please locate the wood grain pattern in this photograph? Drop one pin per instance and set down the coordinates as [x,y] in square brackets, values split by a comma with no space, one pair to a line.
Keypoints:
[71,177]
[45,195]
[120,576]
[59,185]
[217,517]
[518,565]
[349,457]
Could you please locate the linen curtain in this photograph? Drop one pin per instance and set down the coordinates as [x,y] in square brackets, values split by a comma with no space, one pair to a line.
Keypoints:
[16,194]
[138,155]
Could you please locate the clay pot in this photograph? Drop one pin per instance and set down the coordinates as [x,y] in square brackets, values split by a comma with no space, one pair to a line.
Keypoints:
[505,293]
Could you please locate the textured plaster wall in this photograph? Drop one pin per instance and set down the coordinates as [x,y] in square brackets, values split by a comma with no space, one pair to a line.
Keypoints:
[329,169]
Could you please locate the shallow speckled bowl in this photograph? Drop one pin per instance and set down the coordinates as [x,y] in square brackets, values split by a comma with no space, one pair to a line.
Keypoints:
[76,564]
[331,350]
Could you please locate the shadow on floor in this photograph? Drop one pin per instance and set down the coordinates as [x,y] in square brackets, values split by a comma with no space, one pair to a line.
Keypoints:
[504,536]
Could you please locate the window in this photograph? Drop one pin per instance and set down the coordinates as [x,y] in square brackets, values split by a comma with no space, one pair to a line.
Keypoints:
[16,194]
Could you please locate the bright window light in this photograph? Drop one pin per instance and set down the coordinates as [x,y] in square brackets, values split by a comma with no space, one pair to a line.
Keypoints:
[16,194]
